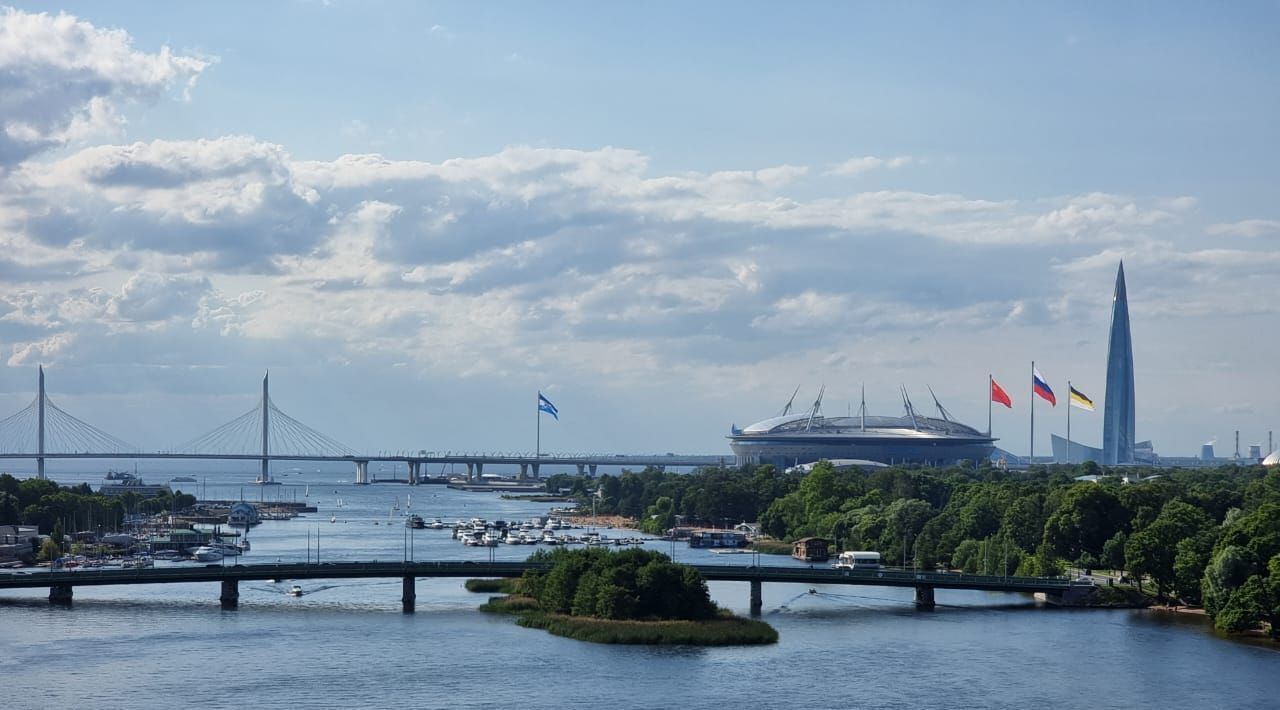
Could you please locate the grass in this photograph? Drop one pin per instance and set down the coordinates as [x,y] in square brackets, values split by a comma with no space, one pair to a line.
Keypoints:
[725,630]
[771,547]
[513,604]
[493,586]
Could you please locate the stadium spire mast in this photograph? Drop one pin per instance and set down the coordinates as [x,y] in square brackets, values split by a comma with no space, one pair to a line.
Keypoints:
[787,408]
[817,407]
[862,408]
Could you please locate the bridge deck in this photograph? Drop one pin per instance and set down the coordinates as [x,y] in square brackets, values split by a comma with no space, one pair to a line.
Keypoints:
[347,570]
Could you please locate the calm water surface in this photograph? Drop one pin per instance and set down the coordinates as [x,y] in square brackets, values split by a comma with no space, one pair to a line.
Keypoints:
[346,644]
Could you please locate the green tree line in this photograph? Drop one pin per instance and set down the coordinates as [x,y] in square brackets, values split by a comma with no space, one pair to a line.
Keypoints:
[44,503]
[1200,536]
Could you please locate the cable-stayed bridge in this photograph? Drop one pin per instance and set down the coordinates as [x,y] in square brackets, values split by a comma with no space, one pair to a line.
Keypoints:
[42,431]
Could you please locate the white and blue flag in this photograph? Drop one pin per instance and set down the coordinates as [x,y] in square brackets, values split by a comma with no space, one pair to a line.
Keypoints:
[545,405]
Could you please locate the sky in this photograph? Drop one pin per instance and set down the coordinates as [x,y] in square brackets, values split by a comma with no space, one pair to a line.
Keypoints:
[665,216]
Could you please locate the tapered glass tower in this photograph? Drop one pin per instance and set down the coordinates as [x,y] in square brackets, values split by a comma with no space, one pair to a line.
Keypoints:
[1117,416]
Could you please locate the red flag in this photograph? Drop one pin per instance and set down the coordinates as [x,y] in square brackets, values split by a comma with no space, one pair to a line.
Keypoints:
[999,395]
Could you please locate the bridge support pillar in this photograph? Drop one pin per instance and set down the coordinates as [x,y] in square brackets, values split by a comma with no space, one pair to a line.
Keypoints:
[480,471]
[591,468]
[60,594]
[362,473]
[924,596]
[582,468]
[409,594]
[535,470]
[524,471]
[230,596]
[413,473]
[471,473]
[757,597]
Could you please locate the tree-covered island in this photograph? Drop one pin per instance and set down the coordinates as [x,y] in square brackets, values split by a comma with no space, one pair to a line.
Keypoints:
[628,597]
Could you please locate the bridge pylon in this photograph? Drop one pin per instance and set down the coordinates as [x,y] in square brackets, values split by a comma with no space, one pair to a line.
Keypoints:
[40,400]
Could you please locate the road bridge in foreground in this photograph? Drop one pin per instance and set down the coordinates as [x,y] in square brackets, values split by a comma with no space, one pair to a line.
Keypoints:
[62,582]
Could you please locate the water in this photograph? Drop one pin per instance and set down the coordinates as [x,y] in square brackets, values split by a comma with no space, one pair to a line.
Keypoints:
[346,644]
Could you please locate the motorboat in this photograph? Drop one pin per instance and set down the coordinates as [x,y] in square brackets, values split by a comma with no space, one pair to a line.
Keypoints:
[436,524]
[295,591]
[415,521]
[204,553]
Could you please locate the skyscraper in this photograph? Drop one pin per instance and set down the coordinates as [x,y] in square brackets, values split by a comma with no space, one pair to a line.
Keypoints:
[1117,416]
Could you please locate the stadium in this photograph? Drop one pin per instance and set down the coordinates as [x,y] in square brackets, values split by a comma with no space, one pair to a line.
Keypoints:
[794,439]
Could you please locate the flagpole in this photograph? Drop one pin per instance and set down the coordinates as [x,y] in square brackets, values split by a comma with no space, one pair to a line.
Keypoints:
[1068,422]
[537,451]
[990,391]
[1032,458]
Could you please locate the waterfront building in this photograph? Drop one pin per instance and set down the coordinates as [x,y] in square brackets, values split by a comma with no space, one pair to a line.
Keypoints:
[811,549]
[717,538]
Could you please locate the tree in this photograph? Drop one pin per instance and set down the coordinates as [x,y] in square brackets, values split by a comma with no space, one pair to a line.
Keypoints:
[1153,550]
[1113,552]
[1229,568]
[1189,562]
[632,584]
[9,509]
[1090,514]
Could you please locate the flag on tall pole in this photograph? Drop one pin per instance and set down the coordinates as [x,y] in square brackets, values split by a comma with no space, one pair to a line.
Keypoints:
[1041,387]
[544,405]
[1078,399]
[1075,398]
[997,394]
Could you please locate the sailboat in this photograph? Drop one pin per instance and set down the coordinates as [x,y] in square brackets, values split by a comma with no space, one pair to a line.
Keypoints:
[307,494]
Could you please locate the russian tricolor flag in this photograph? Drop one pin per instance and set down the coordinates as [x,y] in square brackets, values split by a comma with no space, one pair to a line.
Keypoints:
[1040,387]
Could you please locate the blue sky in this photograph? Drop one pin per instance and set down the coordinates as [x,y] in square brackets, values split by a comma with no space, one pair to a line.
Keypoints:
[665,216]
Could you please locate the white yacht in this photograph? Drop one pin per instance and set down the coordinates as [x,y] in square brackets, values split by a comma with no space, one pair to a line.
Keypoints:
[204,553]
[295,591]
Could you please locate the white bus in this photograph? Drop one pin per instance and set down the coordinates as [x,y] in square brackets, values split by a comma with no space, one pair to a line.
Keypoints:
[858,560]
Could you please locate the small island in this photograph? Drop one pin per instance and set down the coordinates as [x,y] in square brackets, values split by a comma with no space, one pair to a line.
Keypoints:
[628,597]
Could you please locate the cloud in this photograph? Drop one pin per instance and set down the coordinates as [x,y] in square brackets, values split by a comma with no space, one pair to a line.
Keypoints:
[230,202]
[1251,228]
[63,79]
[158,297]
[857,166]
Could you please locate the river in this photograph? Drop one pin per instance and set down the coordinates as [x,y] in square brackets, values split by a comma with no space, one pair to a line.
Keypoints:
[345,643]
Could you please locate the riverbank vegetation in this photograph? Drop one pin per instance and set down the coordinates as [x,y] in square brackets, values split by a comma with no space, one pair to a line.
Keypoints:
[43,503]
[628,597]
[493,586]
[1206,537]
